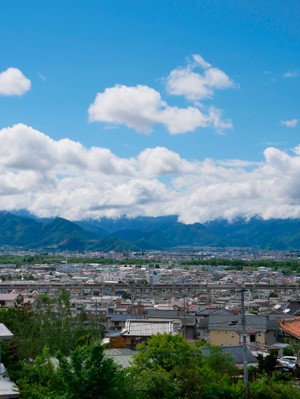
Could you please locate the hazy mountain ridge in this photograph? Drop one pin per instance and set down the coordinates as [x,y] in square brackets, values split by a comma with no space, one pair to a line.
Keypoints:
[58,234]
[144,233]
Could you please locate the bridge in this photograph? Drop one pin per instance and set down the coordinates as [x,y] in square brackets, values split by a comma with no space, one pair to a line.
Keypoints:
[185,289]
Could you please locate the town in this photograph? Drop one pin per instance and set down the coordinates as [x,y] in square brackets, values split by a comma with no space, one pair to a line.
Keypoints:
[199,301]
[131,297]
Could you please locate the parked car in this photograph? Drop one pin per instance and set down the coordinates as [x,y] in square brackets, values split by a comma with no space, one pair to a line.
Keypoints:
[288,361]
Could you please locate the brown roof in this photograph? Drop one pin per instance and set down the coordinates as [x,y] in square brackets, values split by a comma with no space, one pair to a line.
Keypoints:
[291,326]
[8,297]
[29,300]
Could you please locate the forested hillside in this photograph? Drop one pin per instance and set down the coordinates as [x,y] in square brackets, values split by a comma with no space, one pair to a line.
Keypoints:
[143,233]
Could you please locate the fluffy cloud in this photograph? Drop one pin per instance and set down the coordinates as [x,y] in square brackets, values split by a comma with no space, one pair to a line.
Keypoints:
[160,161]
[136,107]
[64,178]
[194,85]
[141,107]
[13,83]
[24,148]
[291,123]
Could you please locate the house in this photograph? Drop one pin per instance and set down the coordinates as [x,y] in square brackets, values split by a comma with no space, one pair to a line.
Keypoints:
[227,331]
[137,331]
[9,300]
[202,320]
[182,321]
[117,321]
[202,329]
[290,327]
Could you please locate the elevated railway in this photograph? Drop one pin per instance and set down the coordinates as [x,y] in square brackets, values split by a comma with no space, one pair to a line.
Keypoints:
[145,289]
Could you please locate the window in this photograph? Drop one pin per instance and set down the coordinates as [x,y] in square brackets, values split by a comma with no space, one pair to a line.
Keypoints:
[252,338]
[259,334]
[232,335]
[218,331]
[226,332]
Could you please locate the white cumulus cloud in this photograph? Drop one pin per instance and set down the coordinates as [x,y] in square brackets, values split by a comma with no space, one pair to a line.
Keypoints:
[13,83]
[194,85]
[160,161]
[63,178]
[142,107]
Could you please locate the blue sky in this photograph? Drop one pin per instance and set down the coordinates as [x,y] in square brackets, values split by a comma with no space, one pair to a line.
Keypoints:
[183,87]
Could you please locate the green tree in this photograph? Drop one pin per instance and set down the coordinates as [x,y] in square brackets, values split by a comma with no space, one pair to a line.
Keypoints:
[26,327]
[88,374]
[156,384]
[64,306]
[288,351]
[171,361]
[219,362]
[167,352]
[34,329]
[39,379]
[267,363]
[222,389]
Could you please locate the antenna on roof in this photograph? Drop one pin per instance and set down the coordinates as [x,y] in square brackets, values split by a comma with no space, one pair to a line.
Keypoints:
[286,310]
[277,306]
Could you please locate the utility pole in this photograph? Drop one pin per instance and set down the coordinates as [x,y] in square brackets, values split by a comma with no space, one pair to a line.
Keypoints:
[184,320]
[246,385]
[96,312]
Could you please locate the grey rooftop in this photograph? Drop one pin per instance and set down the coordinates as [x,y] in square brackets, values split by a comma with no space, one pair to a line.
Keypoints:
[4,332]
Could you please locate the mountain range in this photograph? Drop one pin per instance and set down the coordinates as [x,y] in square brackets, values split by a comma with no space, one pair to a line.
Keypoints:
[142,233]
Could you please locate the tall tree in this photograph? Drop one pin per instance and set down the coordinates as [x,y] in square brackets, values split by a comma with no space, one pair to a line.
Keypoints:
[88,374]
[167,352]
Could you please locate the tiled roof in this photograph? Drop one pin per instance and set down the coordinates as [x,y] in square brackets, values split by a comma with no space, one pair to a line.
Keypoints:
[291,326]
[236,351]
[122,357]
[162,313]
[124,317]
[8,297]
[293,306]
[219,312]
[146,328]
[203,322]
[234,322]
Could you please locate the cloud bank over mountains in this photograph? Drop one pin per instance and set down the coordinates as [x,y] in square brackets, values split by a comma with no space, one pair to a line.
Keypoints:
[142,107]
[64,178]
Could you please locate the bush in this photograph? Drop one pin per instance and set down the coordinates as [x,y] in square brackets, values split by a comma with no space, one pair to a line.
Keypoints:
[288,351]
